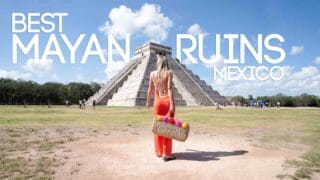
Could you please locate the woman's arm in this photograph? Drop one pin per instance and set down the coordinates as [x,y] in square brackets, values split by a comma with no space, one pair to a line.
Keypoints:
[150,89]
[172,104]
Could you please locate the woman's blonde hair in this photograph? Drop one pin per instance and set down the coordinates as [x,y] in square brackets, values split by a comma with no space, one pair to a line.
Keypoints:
[162,67]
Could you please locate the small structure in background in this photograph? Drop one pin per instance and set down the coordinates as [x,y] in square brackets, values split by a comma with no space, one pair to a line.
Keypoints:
[251,102]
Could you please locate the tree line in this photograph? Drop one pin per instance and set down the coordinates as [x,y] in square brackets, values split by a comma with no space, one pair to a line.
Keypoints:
[19,92]
[306,100]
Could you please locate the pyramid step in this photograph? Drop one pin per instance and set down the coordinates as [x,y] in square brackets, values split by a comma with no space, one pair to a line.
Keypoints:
[214,95]
[191,83]
[105,93]
[127,92]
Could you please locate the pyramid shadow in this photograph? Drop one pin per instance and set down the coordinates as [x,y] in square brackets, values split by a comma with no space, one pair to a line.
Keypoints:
[196,155]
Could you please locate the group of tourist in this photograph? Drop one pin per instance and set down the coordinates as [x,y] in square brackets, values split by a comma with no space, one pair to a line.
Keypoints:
[82,104]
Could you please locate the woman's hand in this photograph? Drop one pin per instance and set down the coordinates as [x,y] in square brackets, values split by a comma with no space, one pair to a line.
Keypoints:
[172,108]
[147,105]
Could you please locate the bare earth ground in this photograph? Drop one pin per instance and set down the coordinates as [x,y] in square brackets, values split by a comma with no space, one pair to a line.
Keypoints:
[127,153]
[117,143]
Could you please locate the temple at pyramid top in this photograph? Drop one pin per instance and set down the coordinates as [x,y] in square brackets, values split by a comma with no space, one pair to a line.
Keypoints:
[151,47]
[129,87]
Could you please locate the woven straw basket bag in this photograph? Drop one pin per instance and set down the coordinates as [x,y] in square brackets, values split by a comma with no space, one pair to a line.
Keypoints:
[169,130]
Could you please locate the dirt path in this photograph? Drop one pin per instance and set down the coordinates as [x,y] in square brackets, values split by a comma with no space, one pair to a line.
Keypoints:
[128,154]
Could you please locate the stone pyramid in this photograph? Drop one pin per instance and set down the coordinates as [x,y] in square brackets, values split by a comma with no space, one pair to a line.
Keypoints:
[129,87]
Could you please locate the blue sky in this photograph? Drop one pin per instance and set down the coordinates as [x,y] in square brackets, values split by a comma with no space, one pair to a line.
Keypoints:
[297,21]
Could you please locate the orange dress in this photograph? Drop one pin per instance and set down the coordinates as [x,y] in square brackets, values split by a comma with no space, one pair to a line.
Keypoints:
[161,106]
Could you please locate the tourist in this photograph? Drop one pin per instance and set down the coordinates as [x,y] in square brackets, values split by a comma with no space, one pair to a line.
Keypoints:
[80,104]
[83,103]
[94,104]
[161,83]
[48,103]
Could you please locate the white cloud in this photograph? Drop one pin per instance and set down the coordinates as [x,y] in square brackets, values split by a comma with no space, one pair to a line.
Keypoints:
[14,74]
[148,21]
[38,66]
[217,61]
[296,50]
[317,60]
[195,30]
[80,77]
[187,62]
[115,54]
[304,80]
[305,72]
[54,76]
[113,68]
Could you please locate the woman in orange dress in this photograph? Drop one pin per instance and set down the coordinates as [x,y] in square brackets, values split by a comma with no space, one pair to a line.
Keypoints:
[161,83]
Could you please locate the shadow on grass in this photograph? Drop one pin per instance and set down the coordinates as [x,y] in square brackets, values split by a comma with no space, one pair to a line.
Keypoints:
[196,155]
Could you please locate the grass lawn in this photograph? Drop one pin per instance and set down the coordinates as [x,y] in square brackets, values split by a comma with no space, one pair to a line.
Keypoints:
[277,127]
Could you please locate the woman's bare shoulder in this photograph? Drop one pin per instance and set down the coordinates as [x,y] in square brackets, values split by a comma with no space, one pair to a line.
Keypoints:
[152,73]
